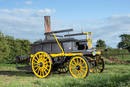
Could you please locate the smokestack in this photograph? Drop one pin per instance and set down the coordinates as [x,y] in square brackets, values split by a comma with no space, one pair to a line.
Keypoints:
[47,24]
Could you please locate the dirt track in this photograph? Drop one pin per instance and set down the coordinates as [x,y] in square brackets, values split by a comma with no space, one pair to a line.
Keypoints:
[115,60]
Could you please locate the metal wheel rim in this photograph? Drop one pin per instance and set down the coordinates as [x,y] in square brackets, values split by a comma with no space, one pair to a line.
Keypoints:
[78,61]
[41,64]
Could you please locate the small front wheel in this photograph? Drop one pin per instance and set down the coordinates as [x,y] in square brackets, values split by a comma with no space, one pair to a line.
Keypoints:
[78,67]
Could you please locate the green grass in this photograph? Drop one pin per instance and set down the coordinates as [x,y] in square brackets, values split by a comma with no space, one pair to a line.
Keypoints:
[113,76]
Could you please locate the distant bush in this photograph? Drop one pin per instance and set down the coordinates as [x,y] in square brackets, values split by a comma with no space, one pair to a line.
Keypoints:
[114,52]
[10,48]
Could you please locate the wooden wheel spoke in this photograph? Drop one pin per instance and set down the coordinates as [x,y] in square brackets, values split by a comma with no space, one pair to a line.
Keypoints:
[36,69]
[35,60]
[81,73]
[40,72]
[83,66]
[37,57]
[73,67]
[44,59]
[46,62]
[83,70]
[35,63]
[76,72]
[45,71]
[40,56]
[46,68]
[74,62]
[80,61]
[73,71]
[47,65]
[77,61]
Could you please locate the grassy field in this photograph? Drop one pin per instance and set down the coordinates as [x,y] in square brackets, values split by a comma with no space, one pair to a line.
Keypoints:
[123,58]
[113,76]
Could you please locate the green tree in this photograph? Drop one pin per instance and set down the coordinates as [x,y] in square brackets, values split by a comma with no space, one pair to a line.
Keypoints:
[13,49]
[100,44]
[125,42]
[10,48]
[4,48]
[17,47]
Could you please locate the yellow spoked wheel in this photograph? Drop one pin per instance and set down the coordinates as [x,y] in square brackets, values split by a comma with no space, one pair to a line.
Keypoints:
[78,67]
[41,64]
[97,66]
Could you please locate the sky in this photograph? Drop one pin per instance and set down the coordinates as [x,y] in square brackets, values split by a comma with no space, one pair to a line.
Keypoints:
[106,19]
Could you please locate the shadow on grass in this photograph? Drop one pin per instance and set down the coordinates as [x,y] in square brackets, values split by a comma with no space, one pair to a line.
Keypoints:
[16,73]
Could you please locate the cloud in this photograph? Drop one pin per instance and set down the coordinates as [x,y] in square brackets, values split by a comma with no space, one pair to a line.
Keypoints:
[28,2]
[23,23]
[21,28]
[112,28]
[5,10]
[28,12]
[26,23]
[108,29]
[45,11]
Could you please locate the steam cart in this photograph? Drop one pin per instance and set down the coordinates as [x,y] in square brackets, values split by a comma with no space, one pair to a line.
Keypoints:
[62,53]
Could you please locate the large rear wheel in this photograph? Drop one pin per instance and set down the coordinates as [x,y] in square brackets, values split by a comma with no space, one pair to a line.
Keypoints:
[41,64]
[78,67]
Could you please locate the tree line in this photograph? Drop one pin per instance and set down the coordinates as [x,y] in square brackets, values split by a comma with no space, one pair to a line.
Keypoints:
[123,47]
[124,44]
[10,48]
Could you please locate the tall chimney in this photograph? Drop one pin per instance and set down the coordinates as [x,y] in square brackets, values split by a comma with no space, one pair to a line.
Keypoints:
[47,24]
